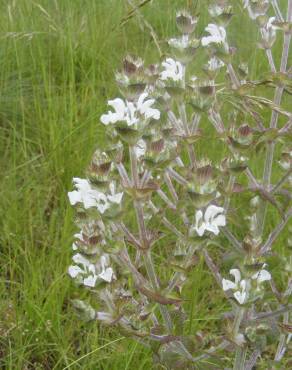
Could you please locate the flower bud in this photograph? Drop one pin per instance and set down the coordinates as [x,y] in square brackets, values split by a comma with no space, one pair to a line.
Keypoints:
[185,22]
[132,65]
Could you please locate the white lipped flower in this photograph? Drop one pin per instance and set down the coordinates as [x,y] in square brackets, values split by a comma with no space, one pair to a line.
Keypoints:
[129,112]
[87,196]
[119,114]
[172,70]
[211,221]
[90,197]
[262,275]
[113,196]
[144,107]
[217,35]
[90,273]
[239,286]
[107,273]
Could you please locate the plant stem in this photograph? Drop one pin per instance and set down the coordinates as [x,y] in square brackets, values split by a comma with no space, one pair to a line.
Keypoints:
[184,119]
[277,10]
[170,187]
[144,239]
[271,60]
[236,243]
[240,355]
[165,198]
[134,166]
[177,177]
[274,234]
[281,181]
[252,360]
[141,225]
[155,284]
[123,173]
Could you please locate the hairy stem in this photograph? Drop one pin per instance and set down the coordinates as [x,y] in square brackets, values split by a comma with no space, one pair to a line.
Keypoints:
[144,241]
[240,355]
[155,284]
[275,233]
[271,60]
[277,10]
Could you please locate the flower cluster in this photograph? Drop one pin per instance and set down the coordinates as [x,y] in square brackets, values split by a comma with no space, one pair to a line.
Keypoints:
[89,273]
[211,220]
[172,70]
[155,187]
[89,197]
[242,287]
[217,35]
[130,112]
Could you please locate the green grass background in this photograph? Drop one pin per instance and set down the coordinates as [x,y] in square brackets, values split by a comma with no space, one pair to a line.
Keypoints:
[57,64]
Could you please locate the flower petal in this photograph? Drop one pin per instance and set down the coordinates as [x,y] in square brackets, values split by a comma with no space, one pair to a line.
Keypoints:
[213,228]
[211,212]
[220,220]
[90,281]
[240,296]
[74,271]
[74,197]
[79,259]
[262,275]
[116,198]
[228,284]
[107,275]
[237,275]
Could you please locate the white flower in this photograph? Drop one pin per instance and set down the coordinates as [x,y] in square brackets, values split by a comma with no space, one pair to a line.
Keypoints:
[217,35]
[240,287]
[214,64]
[88,272]
[119,114]
[144,107]
[93,198]
[114,197]
[129,112]
[87,268]
[172,70]
[140,148]
[107,273]
[262,275]
[88,196]
[212,219]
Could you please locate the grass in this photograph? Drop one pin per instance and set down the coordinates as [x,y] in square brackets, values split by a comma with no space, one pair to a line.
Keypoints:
[57,62]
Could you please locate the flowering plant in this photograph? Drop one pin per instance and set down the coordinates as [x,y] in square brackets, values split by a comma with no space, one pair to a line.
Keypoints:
[152,189]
